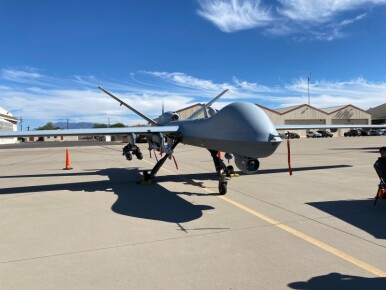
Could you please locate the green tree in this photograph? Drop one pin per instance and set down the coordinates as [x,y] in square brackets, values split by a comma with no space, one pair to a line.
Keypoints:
[117,125]
[48,126]
[98,125]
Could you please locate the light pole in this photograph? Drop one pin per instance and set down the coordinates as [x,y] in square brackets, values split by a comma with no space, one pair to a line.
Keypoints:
[308,85]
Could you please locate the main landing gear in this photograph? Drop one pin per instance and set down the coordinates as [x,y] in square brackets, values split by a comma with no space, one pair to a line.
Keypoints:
[148,177]
[224,172]
[129,150]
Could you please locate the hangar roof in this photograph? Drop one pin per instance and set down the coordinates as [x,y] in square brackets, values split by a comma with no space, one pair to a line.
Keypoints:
[333,109]
[4,114]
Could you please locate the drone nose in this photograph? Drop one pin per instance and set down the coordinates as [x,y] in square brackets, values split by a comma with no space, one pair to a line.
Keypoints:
[274,139]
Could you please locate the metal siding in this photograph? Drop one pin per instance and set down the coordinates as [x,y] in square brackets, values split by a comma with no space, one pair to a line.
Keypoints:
[378,112]
[186,113]
[350,113]
[275,118]
[304,113]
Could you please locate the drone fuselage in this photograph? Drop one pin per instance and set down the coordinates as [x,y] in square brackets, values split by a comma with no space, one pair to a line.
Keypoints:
[239,128]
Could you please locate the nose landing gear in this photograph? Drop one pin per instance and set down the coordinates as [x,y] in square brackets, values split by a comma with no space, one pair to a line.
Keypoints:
[224,172]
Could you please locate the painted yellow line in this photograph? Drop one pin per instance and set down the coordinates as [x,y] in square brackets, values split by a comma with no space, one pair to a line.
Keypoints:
[315,242]
[324,246]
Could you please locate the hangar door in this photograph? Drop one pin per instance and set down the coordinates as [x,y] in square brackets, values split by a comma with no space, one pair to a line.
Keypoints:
[340,132]
[349,121]
[305,122]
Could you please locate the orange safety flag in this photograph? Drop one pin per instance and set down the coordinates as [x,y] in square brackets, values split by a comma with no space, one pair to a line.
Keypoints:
[289,155]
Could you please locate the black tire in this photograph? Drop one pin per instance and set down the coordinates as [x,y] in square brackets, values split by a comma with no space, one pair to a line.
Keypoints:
[231,169]
[222,188]
[139,156]
[129,156]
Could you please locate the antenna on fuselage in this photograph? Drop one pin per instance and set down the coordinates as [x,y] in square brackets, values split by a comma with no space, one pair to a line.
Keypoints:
[207,105]
[129,107]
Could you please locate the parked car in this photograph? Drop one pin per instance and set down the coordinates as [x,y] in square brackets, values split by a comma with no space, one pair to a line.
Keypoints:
[325,133]
[292,135]
[352,133]
[364,132]
[141,138]
[313,134]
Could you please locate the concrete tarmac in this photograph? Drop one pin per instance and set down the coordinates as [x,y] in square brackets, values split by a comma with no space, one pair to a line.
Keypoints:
[93,227]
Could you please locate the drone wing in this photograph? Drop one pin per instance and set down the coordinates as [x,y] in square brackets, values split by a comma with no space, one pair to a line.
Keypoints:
[91,132]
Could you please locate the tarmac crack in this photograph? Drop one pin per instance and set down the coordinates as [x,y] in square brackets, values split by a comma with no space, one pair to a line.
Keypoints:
[136,244]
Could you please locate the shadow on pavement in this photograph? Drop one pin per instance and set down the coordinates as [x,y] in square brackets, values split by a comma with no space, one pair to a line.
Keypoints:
[359,213]
[339,281]
[305,168]
[142,201]
[364,149]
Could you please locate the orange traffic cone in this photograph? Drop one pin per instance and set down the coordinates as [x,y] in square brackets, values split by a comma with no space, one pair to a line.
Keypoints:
[219,154]
[68,166]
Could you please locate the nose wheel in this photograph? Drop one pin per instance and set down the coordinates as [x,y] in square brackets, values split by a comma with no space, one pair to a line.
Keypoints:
[222,184]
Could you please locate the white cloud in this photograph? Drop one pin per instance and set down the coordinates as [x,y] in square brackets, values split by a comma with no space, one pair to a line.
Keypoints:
[78,99]
[319,10]
[316,19]
[235,15]
[19,75]
[358,92]
[187,81]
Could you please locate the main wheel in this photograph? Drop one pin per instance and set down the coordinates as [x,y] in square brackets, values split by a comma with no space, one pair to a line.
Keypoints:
[231,169]
[222,188]
[139,156]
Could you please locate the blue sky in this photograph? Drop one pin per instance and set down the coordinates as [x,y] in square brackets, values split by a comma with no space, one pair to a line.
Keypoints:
[54,54]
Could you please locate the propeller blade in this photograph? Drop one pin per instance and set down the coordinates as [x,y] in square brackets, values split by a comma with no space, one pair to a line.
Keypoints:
[207,105]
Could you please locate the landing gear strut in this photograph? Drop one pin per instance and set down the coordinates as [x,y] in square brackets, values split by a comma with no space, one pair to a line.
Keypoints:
[224,172]
[148,177]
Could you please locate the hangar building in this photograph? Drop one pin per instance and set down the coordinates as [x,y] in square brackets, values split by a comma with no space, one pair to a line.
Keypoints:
[309,115]
[7,123]
[378,114]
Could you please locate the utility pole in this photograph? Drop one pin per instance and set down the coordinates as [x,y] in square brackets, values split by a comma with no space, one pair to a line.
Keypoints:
[67,123]
[109,121]
[308,86]
[21,123]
